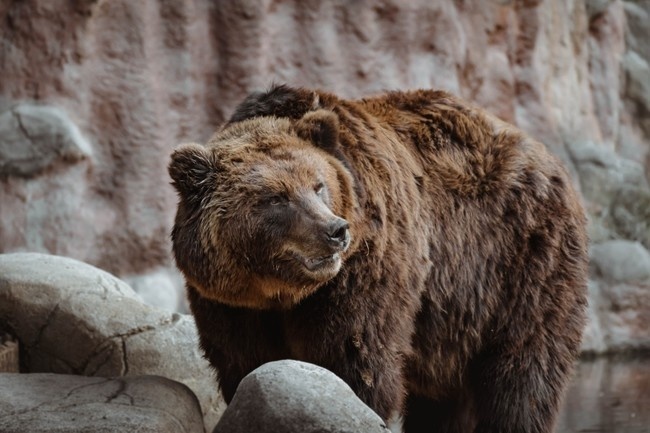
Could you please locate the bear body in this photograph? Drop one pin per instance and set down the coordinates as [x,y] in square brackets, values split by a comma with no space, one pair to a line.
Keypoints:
[429,254]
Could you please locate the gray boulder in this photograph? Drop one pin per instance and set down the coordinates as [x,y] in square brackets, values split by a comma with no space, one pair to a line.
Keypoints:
[36,137]
[621,261]
[44,402]
[163,288]
[73,318]
[297,397]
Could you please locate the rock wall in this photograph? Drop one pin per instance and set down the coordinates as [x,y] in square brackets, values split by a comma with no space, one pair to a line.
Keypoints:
[94,94]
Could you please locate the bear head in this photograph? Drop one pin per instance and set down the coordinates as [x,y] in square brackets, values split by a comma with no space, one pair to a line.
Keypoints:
[265,210]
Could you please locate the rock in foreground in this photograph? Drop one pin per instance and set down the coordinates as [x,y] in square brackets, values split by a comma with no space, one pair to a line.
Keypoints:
[297,397]
[72,318]
[44,402]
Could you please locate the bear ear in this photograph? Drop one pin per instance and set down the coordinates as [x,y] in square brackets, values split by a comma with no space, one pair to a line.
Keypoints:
[321,127]
[190,167]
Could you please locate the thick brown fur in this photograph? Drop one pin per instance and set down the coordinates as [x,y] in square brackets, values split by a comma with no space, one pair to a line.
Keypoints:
[459,299]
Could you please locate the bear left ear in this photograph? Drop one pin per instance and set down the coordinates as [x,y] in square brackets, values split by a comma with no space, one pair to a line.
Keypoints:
[321,127]
[190,166]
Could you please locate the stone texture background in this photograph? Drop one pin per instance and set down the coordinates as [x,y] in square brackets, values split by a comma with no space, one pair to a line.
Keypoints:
[94,94]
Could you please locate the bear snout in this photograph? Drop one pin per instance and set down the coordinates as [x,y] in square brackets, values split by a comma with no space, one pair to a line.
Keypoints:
[337,234]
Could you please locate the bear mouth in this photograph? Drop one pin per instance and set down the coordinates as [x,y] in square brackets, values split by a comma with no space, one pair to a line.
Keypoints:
[315,264]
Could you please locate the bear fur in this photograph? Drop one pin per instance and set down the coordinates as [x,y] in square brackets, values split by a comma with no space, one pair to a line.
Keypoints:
[429,254]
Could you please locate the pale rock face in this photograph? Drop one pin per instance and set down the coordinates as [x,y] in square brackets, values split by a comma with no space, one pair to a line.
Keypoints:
[120,83]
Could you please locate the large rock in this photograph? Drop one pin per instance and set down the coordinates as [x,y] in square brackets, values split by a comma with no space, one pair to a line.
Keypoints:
[619,298]
[297,397]
[35,138]
[76,319]
[617,192]
[622,261]
[44,402]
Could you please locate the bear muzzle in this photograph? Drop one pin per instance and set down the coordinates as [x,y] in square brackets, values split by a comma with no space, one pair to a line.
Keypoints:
[337,234]
[325,245]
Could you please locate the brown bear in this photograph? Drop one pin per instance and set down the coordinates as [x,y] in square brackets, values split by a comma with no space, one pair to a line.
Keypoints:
[429,254]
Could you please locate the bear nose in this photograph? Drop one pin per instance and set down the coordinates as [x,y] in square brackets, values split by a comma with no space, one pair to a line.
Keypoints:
[338,232]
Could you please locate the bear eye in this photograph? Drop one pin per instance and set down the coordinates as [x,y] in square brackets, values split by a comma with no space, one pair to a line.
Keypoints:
[276,200]
[319,188]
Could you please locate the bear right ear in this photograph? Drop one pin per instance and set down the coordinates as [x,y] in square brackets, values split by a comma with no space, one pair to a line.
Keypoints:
[321,127]
[189,168]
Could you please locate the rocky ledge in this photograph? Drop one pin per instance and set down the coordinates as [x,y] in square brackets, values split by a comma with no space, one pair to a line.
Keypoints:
[74,319]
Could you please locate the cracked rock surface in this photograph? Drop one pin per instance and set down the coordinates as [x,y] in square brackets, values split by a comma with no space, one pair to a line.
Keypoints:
[72,318]
[45,402]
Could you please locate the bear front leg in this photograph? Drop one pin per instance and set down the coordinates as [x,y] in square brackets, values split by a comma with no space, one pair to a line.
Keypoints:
[367,361]
[378,380]
[229,372]
[424,415]
[234,351]
[236,340]
[519,391]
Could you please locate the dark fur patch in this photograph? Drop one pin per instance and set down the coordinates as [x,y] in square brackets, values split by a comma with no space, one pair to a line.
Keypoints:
[321,128]
[278,101]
